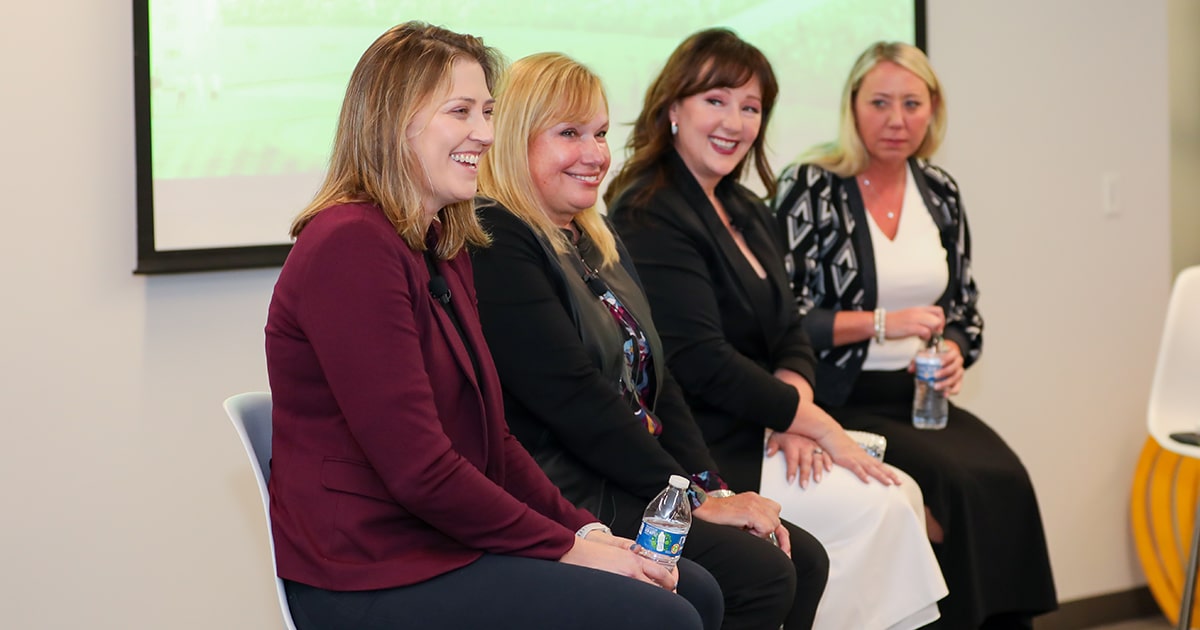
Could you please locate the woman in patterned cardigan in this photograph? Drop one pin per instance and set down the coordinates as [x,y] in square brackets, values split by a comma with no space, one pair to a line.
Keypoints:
[879,255]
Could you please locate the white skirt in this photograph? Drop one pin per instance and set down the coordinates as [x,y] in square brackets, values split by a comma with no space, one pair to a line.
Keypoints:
[882,572]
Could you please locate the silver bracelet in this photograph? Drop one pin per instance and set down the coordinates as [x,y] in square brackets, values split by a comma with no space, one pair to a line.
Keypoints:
[880,325]
[721,493]
[591,527]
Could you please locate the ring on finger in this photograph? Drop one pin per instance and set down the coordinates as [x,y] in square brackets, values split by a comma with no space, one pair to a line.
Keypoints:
[817,451]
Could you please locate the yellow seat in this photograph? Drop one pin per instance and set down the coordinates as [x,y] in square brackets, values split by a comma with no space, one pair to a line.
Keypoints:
[1173,420]
[1162,512]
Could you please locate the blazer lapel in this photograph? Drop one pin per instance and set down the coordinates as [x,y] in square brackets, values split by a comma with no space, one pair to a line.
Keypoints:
[487,392]
[692,196]
[694,202]
[454,341]
[763,241]
[766,247]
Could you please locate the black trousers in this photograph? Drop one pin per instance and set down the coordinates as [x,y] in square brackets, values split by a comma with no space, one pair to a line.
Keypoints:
[507,592]
[763,588]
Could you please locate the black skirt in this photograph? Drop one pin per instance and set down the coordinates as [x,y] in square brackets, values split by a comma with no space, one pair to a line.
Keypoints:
[994,555]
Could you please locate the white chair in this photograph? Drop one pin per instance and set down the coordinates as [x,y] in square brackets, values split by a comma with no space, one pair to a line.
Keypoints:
[1173,416]
[251,416]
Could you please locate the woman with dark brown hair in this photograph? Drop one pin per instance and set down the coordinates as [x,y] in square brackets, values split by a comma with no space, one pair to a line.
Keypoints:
[710,259]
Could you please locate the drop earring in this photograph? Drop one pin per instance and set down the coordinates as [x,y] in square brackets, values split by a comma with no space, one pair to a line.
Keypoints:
[674,128]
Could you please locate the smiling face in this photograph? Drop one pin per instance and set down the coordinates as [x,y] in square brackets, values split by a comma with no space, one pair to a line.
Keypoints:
[716,129]
[892,111]
[449,134]
[567,162]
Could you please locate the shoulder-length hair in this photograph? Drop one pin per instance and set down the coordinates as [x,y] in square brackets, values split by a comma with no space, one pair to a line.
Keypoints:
[847,156]
[372,161]
[539,92]
[712,58]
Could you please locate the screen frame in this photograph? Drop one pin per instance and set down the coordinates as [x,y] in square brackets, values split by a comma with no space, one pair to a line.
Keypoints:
[150,259]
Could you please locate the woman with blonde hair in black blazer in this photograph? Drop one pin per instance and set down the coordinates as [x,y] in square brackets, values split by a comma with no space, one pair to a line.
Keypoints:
[585,387]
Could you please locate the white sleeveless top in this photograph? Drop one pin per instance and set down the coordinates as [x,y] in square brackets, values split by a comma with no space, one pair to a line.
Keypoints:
[909,271]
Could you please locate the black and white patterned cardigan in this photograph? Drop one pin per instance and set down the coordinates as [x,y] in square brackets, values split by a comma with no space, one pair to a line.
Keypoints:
[832,264]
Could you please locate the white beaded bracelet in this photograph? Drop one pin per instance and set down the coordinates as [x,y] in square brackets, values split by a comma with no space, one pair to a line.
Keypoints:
[591,527]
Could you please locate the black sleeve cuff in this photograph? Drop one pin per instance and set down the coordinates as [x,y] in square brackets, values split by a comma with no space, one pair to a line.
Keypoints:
[958,336]
[818,324]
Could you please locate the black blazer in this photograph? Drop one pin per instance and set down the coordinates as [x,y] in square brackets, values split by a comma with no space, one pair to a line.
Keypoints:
[558,353]
[725,329]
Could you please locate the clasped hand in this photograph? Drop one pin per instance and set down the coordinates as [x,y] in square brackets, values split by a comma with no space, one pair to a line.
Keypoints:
[750,511]
[615,555]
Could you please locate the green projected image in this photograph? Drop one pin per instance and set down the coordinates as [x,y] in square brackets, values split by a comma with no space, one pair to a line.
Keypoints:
[244,94]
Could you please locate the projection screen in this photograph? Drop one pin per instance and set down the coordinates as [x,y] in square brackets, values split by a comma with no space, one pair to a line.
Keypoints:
[237,99]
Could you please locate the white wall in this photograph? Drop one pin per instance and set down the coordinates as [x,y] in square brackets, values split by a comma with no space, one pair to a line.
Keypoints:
[1045,99]
[126,500]
[128,503]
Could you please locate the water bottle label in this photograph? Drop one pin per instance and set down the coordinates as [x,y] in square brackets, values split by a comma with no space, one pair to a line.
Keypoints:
[660,540]
[927,367]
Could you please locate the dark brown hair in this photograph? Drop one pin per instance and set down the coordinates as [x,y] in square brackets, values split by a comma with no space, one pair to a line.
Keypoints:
[712,58]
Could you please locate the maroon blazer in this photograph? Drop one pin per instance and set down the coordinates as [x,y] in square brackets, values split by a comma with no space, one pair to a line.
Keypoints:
[392,462]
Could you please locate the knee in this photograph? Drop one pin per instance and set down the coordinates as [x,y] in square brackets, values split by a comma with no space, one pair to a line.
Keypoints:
[669,612]
[655,608]
[810,562]
[759,582]
[778,575]
[701,590]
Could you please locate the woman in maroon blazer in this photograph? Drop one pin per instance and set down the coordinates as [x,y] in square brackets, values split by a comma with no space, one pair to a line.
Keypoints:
[398,496]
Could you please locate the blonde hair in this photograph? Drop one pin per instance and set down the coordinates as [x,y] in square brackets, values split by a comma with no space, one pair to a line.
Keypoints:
[538,92]
[712,58]
[372,161]
[847,156]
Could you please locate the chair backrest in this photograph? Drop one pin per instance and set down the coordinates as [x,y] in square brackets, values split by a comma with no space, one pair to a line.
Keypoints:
[251,416]
[1175,392]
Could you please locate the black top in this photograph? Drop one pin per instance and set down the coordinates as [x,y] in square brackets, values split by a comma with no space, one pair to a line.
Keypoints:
[558,351]
[725,329]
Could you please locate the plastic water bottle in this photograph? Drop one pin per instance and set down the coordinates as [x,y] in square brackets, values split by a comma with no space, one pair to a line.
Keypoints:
[930,409]
[666,522]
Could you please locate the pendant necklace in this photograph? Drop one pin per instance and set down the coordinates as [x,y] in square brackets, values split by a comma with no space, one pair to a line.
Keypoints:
[867,183]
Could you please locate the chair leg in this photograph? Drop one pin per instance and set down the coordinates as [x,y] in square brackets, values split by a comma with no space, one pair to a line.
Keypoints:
[1189,589]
